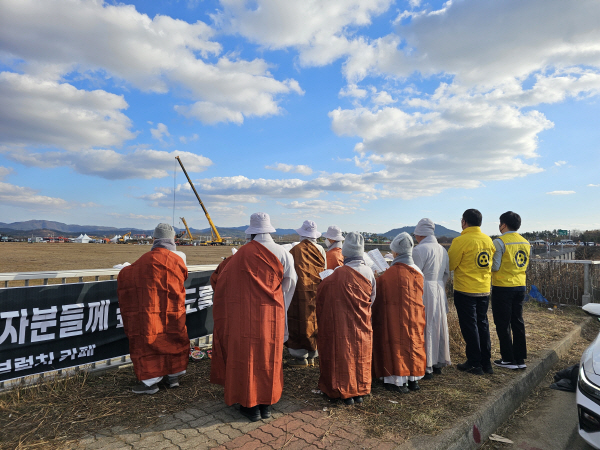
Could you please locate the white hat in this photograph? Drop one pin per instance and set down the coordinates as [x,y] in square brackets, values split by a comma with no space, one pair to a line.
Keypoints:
[425,227]
[308,229]
[333,233]
[402,244]
[354,245]
[260,222]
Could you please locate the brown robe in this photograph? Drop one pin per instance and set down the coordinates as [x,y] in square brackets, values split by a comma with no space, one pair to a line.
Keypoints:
[302,319]
[249,326]
[152,301]
[334,258]
[345,334]
[399,323]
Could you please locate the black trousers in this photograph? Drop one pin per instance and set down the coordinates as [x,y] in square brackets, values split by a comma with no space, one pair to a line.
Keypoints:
[507,308]
[475,328]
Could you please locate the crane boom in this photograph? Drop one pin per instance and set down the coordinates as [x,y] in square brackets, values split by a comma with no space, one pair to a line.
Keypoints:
[216,236]
[187,228]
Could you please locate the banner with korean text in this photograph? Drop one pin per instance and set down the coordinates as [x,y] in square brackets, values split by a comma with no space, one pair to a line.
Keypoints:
[45,328]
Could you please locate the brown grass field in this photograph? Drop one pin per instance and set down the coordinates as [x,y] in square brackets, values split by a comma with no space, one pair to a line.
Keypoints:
[57,412]
[24,257]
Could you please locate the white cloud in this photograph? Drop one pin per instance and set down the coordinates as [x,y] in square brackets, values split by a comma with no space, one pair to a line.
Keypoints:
[39,112]
[23,197]
[301,169]
[559,163]
[109,164]
[93,38]
[160,131]
[321,206]
[4,171]
[560,193]
[454,142]
[192,138]
[593,185]
[318,29]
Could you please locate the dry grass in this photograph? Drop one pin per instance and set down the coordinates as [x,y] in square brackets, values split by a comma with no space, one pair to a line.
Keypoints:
[52,414]
[451,396]
[56,412]
[542,391]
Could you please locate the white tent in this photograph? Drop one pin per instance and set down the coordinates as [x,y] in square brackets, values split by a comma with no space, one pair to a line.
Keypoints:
[83,239]
[116,238]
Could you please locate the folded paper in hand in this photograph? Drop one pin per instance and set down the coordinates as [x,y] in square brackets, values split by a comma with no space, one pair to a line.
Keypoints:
[374,259]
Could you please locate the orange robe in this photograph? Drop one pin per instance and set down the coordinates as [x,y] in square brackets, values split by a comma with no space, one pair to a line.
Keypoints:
[334,258]
[302,318]
[152,301]
[249,326]
[399,323]
[345,334]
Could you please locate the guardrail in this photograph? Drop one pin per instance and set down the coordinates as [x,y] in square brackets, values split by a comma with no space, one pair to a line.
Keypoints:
[569,282]
[80,275]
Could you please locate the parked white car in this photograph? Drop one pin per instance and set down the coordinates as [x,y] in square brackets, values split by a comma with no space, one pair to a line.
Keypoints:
[588,394]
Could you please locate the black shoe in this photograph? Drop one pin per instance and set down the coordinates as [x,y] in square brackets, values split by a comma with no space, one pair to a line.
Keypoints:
[428,376]
[143,389]
[488,370]
[506,364]
[358,400]
[172,381]
[413,385]
[437,370]
[470,368]
[349,401]
[521,364]
[253,414]
[265,411]
[393,388]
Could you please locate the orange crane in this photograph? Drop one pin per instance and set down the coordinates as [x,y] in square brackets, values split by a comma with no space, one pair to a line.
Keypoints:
[215,236]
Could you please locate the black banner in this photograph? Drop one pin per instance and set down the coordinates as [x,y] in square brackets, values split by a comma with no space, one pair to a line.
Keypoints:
[45,328]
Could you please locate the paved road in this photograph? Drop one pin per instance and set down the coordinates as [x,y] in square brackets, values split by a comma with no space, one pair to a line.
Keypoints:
[549,425]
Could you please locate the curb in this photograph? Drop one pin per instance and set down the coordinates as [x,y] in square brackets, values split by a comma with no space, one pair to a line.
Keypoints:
[474,430]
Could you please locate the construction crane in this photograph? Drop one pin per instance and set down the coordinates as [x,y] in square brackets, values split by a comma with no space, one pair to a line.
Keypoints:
[123,239]
[190,237]
[215,236]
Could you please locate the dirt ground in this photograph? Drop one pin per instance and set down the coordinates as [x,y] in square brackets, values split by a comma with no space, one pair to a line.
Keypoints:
[51,414]
[24,257]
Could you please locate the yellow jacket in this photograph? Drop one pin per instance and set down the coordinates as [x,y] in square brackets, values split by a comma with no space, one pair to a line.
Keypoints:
[471,260]
[515,260]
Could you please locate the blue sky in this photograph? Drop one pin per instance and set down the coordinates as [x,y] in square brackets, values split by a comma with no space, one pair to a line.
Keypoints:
[367,114]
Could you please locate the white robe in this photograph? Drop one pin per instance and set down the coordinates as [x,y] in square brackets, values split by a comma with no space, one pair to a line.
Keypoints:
[432,259]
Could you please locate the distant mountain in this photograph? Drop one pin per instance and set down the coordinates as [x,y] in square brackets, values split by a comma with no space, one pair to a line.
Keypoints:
[440,231]
[48,228]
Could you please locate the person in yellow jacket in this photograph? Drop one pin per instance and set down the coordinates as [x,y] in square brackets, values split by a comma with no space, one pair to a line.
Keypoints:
[510,262]
[471,260]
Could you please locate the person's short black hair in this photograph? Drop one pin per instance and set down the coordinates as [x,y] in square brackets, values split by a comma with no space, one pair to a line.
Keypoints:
[511,219]
[472,217]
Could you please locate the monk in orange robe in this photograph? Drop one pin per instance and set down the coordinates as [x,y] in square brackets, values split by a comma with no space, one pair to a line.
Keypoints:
[309,261]
[344,319]
[252,290]
[152,301]
[399,356]
[333,240]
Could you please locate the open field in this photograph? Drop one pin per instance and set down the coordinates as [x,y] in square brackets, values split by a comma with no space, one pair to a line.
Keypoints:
[24,257]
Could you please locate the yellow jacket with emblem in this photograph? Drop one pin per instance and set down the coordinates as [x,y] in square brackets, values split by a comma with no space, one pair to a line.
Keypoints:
[514,261]
[471,260]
